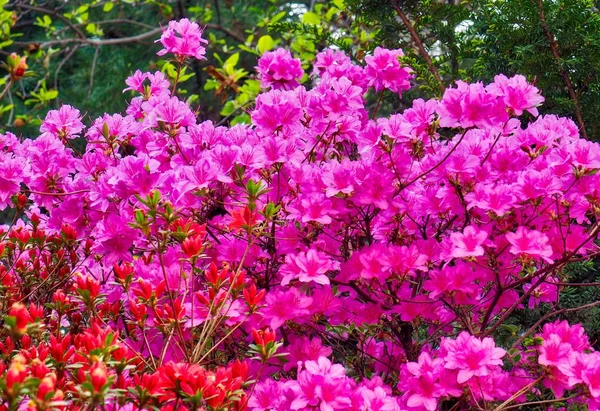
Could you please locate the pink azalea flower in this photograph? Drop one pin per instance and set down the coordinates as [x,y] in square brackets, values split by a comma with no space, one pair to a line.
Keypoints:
[266,396]
[279,70]
[530,242]
[544,293]
[306,267]
[518,95]
[284,305]
[325,385]
[11,176]
[471,356]
[574,335]
[591,375]
[159,85]
[313,207]
[63,123]
[114,238]
[421,382]
[553,351]
[497,199]
[384,71]
[469,242]
[277,112]
[470,105]
[184,39]
[304,349]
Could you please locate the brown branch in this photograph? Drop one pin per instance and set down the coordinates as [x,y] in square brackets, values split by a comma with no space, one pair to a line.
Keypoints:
[226,31]
[110,21]
[91,42]
[542,275]
[54,13]
[556,54]
[550,314]
[448,154]
[59,68]
[94,61]
[417,40]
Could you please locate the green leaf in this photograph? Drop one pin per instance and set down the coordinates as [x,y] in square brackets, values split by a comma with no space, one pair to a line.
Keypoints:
[278,16]
[50,94]
[232,60]
[228,108]
[243,118]
[265,43]
[248,49]
[108,7]
[4,109]
[311,18]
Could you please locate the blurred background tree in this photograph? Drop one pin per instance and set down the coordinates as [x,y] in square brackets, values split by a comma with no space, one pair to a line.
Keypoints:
[81,52]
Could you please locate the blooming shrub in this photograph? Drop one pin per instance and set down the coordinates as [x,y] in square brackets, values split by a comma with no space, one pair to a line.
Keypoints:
[317,259]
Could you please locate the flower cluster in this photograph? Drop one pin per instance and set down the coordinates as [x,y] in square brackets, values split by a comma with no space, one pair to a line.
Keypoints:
[279,70]
[184,39]
[319,258]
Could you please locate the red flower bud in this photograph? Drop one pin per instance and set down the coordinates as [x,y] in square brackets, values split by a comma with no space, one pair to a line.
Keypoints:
[252,296]
[68,232]
[17,372]
[123,273]
[263,337]
[17,66]
[21,317]
[193,246]
[47,385]
[98,376]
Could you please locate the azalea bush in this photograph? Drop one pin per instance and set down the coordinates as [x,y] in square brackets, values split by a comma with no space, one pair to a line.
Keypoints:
[319,258]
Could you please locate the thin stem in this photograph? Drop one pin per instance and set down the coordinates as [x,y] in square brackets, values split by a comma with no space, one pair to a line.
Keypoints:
[378,104]
[6,88]
[93,70]
[423,174]
[518,394]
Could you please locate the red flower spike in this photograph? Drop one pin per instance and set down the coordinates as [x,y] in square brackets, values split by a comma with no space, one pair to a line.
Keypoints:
[193,246]
[123,272]
[239,369]
[215,277]
[139,312]
[21,201]
[7,346]
[17,372]
[243,218]
[265,345]
[21,317]
[263,337]
[253,297]
[98,376]
[68,232]
[36,312]
[47,386]
[88,284]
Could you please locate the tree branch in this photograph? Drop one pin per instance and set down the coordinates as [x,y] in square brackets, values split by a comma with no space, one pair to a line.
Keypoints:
[59,68]
[54,13]
[122,40]
[556,54]
[91,42]
[94,61]
[225,30]
[417,40]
